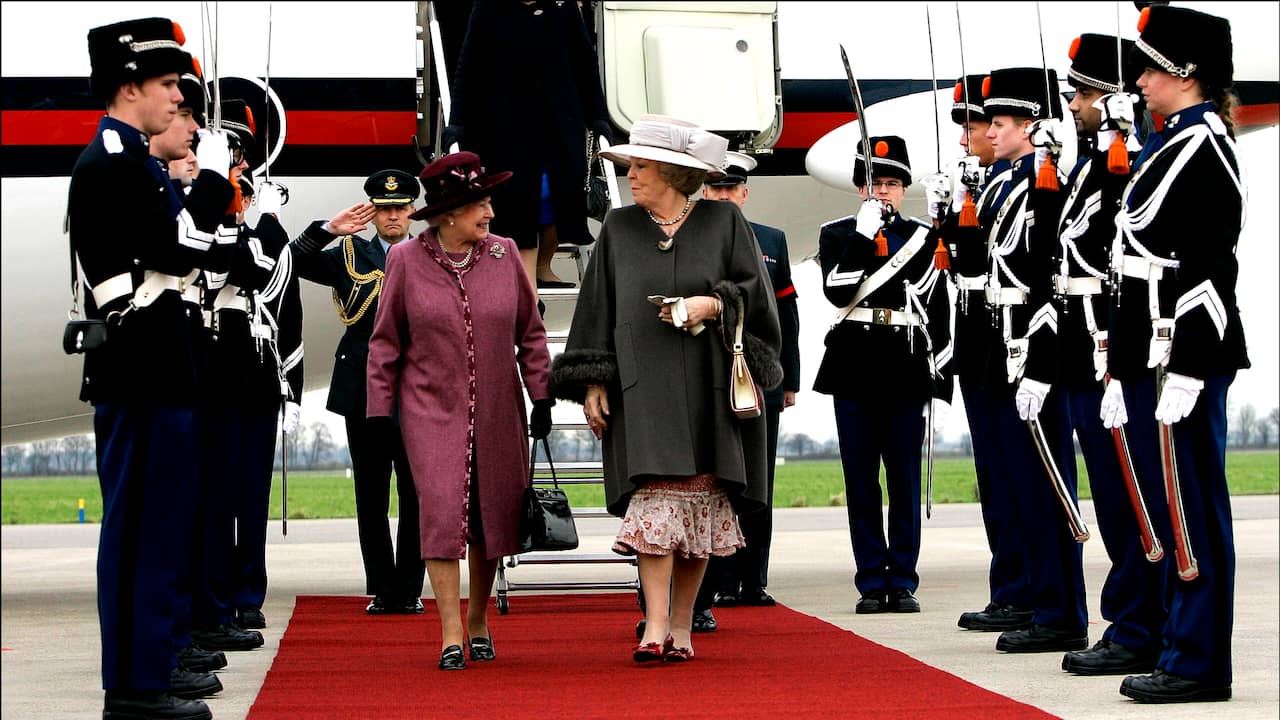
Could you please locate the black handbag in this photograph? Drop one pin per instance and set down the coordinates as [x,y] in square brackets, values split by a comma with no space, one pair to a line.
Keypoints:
[81,335]
[595,187]
[546,521]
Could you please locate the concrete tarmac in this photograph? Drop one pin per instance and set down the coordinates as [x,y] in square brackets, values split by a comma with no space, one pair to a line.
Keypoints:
[49,626]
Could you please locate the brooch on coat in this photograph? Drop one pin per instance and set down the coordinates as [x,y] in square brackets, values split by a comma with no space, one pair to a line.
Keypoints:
[497,250]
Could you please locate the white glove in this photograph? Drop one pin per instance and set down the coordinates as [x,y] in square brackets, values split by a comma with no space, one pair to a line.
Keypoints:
[966,174]
[1105,138]
[1045,133]
[870,217]
[937,193]
[292,416]
[1030,398]
[1116,110]
[1113,412]
[271,196]
[1178,398]
[214,152]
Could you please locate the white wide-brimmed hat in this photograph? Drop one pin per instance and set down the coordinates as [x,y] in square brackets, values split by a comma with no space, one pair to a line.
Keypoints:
[666,139]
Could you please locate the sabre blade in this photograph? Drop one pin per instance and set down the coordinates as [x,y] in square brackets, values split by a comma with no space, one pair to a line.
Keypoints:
[861,112]
[1074,521]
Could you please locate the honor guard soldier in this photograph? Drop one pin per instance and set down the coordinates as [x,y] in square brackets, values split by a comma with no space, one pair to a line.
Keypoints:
[143,380]
[354,269]
[741,578]
[961,205]
[891,334]
[1037,458]
[1131,597]
[1174,310]
[254,319]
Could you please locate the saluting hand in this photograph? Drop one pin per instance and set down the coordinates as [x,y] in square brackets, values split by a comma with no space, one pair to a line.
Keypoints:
[352,220]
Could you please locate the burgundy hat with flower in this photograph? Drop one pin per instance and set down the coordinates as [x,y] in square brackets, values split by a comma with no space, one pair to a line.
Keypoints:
[455,180]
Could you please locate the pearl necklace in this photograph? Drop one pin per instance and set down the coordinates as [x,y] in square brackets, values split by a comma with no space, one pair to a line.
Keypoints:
[688,203]
[459,264]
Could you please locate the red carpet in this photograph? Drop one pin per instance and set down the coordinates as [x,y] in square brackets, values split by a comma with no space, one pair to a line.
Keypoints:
[569,656]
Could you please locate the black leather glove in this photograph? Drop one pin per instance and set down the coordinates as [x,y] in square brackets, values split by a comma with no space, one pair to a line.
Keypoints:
[540,418]
[450,135]
[603,128]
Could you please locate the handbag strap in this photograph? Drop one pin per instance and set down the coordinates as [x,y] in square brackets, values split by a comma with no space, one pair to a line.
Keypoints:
[737,331]
[586,183]
[533,454]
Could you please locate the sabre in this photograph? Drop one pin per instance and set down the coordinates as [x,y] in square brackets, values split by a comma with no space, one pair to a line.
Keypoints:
[1074,521]
[1188,569]
[284,473]
[928,467]
[933,88]
[266,103]
[862,114]
[1146,531]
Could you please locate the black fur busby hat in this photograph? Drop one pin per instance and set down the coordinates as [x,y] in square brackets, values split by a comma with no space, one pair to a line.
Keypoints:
[133,51]
[889,159]
[972,86]
[1096,64]
[1185,43]
[1022,92]
[237,120]
[191,85]
[392,187]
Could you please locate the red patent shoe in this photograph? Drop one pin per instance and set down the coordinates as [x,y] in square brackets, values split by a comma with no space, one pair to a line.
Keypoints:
[671,653]
[647,652]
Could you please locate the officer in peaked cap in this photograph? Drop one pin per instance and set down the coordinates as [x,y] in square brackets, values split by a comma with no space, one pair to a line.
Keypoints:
[354,269]
[1132,596]
[144,379]
[742,578]
[884,364]
[1176,311]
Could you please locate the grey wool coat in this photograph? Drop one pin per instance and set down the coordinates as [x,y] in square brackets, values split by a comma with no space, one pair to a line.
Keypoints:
[447,353]
[668,389]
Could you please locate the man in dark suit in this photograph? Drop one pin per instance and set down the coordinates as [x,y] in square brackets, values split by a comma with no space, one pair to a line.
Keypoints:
[741,578]
[354,269]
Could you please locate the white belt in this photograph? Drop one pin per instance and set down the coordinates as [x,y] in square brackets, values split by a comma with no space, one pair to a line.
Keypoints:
[155,283]
[112,288]
[1141,268]
[975,283]
[1077,285]
[230,299]
[1005,296]
[883,316]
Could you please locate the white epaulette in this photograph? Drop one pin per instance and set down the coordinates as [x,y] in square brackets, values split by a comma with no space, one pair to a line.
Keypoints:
[111,141]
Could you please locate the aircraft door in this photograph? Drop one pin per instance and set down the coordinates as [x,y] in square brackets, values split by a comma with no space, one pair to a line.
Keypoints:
[714,64]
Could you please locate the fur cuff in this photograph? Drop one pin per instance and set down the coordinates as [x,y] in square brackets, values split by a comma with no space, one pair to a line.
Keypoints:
[728,294]
[762,361]
[573,370]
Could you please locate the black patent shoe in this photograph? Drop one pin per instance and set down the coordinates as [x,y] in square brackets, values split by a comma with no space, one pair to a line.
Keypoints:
[727,599]
[197,659]
[902,601]
[227,637]
[1004,618]
[756,597]
[451,658]
[193,685]
[966,618]
[871,603]
[379,606]
[412,606]
[704,622]
[481,649]
[128,705]
[1161,687]
[1039,638]
[1108,658]
[251,619]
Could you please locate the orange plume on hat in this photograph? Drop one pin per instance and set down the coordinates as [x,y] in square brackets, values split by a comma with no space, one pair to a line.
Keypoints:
[882,149]
[986,86]
[178,35]
[958,95]
[1075,48]
[1144,18]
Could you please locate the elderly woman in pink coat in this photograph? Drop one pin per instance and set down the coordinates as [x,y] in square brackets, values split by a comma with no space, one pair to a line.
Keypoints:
[455,302]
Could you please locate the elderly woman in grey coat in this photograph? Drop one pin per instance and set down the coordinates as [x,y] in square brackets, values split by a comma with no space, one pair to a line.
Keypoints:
[678,464]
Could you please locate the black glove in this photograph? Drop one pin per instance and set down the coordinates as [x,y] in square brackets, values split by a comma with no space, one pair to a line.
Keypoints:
[450,135]
[603,128]
[540,418]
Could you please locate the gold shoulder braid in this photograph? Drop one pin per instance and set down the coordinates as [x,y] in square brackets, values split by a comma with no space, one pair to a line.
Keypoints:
[358,281]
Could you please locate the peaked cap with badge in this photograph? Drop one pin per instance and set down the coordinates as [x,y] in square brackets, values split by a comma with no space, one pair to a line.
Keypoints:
[1021,92]
[133,51]
[1094,63]
[391,187]
[1184,43]
[889,160]
[737,167]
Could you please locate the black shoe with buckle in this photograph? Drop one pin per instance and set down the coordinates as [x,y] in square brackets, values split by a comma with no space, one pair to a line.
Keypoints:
[451,658]
[481,649]
[756,597]
[193,685]
[1039,638]
[251,619]
[902,601]
[412,606]
[1108,658]
[1004,618]
[227,637]
[1161,687]
[131,705]
[871,603]
[703,622]
[197,659]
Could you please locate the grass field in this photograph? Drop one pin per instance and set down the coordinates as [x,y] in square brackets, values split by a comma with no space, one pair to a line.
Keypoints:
[797,484]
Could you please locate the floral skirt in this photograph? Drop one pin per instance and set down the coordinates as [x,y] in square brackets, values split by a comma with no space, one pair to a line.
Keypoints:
[689,516]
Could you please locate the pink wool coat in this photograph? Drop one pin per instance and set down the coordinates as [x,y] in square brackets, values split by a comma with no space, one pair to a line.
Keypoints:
[448,351]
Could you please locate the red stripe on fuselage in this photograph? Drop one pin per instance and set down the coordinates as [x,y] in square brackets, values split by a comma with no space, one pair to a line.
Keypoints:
[803,129]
